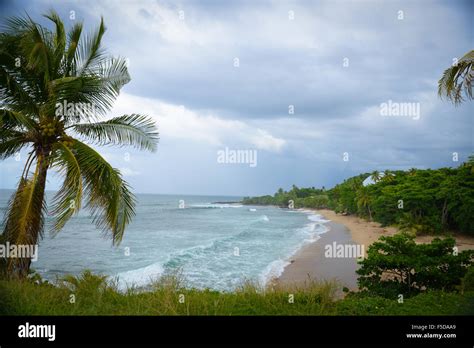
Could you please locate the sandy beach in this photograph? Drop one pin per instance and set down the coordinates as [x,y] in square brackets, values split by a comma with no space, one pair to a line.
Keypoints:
[310,261]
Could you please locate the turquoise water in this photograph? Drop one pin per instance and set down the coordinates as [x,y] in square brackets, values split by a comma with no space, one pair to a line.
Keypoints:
[216,246]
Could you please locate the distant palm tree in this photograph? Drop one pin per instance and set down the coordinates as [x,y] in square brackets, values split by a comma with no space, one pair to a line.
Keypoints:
[457,80]
[412,171]
[375,176]
[388,176]
[470,163]
[364,200]
[55,85]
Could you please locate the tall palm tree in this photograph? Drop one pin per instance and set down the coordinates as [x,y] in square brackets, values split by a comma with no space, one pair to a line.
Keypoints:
[456,82]
[54,87]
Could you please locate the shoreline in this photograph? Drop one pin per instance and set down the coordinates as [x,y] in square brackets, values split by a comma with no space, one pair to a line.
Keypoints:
[311,264]
[310,261]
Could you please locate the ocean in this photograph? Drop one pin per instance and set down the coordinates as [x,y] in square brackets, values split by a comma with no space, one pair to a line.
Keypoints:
[212,245]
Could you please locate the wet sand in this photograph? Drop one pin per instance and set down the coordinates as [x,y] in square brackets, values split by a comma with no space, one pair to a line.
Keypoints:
[310,262]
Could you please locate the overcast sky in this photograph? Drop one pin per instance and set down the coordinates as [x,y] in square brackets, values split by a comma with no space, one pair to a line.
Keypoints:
[226,74]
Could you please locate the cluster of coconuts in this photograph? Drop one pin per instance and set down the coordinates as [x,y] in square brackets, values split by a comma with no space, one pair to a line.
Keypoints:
[48,129]
[54,128]
[67,141]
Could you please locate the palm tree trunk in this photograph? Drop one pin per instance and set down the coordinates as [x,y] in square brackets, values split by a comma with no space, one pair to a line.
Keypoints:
[20,266]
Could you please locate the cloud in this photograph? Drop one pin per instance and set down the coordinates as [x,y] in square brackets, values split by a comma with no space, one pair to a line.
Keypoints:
[335,62]
[187,57]
[178,122]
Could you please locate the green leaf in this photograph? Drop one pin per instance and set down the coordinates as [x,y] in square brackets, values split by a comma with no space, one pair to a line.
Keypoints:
[135,130]
[67,200]
[108,196]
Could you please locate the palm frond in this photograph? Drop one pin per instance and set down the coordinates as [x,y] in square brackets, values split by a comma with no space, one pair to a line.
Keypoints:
[25,57]
[15,92]
[67,200]
[113,75]
[11,145]
[90,52]
[108,196]
[59,41]
[136,130]
[15,121]
[13,132]
[456,82]
[98,89]
[74,36]
[36,43]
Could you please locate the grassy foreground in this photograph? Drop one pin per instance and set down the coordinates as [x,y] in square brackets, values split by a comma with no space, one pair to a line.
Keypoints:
[94,296]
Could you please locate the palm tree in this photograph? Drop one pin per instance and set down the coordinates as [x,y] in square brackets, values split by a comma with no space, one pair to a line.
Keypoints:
[458,79]
[375,176]
[388,176]
[412,171]
[470,163]
[364,200]
[54,87]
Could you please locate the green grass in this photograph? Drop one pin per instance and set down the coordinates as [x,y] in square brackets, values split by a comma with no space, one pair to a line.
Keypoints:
[429,303]
[93,296]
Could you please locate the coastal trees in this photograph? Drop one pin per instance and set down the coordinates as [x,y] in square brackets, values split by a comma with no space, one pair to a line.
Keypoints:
[456,82]
[388,176]
[364,201]
[398,266]
[54,88]
[458,193]
[421,201]
[315,202]
[470,164]
[412,171]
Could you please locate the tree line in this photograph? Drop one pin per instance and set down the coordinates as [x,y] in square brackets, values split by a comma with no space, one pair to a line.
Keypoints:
[419,201]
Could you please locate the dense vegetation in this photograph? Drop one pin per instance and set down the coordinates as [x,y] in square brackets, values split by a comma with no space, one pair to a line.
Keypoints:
[94,296]
[421,201]
[397,266]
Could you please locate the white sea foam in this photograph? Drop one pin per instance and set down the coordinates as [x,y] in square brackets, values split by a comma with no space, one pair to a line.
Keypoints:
[211,244]
[139,277]
[313,230]
[272,271]
[217,205]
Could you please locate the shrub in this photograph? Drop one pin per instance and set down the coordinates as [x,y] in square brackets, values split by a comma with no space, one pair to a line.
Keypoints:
[397,265]
[468,280]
